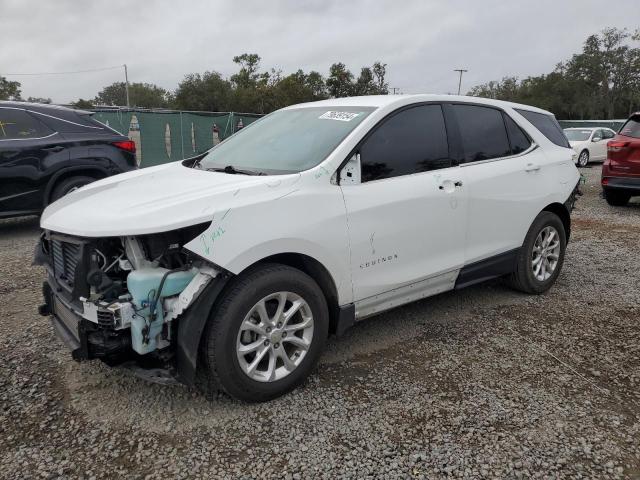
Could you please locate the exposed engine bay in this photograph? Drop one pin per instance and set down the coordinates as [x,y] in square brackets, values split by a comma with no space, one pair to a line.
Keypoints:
[118,299]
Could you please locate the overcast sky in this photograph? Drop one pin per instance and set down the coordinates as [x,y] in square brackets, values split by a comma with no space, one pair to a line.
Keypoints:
[420,41]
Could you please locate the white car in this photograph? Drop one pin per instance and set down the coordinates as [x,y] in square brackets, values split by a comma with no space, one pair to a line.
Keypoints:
[590,144]
[237,264]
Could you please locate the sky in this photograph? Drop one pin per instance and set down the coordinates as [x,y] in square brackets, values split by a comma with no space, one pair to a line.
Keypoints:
[421,42]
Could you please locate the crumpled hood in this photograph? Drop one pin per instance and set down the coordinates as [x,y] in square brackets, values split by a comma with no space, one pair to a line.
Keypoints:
[152,200]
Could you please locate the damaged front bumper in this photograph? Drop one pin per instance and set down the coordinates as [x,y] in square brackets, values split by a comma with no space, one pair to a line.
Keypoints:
[92,328]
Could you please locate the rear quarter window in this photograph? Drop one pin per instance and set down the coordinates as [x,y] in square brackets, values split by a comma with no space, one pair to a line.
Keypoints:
[548,126]
[631,128]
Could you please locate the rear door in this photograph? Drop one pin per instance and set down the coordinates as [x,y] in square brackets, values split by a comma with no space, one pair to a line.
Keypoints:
[503,170]
[26,144]
[407,217]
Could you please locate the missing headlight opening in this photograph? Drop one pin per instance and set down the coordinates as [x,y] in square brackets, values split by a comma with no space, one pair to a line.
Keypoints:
[117,299]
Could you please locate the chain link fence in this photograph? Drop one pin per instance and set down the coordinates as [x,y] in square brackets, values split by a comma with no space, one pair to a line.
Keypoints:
[163,136]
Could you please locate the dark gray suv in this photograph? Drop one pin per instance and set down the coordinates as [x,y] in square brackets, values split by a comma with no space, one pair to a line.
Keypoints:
[47,151]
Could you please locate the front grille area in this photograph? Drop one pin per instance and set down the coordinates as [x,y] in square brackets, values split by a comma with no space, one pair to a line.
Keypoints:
[65,260]
[106,318]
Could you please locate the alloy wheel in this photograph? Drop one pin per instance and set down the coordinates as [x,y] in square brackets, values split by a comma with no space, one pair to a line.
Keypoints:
[274,337]
[546,252]
[583,159]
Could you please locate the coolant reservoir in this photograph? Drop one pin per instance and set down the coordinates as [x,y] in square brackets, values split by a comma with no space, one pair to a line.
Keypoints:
[143,286]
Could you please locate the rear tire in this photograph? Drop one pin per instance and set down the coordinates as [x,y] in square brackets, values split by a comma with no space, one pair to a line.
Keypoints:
[249,319]
[616,199]
[583,158]
[69,185]
[541,257]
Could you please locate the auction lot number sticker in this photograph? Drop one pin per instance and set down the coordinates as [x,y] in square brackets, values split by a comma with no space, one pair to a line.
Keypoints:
[341,116]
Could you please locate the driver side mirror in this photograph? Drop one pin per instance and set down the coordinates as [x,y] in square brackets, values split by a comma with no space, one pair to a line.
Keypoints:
[350,173]
[596,139]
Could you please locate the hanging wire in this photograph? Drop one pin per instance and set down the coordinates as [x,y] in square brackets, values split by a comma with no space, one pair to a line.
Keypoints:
[65,73]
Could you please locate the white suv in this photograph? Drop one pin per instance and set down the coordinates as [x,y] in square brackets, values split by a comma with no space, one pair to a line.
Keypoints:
[230,269]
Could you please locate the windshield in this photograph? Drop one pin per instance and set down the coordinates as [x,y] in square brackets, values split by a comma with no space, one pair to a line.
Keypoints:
[577,135]
[286,141]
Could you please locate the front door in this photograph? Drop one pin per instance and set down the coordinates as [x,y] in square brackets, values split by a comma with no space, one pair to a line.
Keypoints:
[598,145]
[407,216]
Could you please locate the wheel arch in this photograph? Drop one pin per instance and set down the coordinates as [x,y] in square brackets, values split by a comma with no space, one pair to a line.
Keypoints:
[318,272]
[561,211]
[64,173]
[191,327]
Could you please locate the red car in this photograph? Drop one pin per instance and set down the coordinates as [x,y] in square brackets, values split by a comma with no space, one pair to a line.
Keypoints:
[621,169]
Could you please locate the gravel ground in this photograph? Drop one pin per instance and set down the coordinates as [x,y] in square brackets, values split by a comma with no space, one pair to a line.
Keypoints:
[482,383]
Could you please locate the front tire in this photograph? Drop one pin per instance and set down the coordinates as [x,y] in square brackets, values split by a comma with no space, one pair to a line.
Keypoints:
[616,199]
[68,185]
[542,255]
[266,334]
[583,158]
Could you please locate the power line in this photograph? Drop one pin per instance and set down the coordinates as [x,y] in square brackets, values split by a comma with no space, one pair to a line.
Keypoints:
[126,75]
[64,73]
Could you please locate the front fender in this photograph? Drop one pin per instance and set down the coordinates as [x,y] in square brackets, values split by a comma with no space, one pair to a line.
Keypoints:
[191,326]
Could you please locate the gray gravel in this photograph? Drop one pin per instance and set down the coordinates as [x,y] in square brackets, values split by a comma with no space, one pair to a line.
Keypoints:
[485,383]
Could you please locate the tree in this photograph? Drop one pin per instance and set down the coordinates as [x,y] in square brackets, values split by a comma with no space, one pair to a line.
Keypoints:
[82,104]
[206,92]
[144,95]
[340,81]
[602,81]
[38,100]
[371,81]
[247,76]
[9,90]
[379,75]
[298,88]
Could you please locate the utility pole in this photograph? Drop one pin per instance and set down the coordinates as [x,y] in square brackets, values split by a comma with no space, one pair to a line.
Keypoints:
[394,90]
[126,83]
[461,71]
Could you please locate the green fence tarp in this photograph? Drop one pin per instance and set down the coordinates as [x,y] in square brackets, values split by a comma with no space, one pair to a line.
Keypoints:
[163,137]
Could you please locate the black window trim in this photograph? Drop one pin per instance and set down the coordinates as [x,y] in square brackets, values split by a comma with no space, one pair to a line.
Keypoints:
[30,113]
[455,162]
[531,148]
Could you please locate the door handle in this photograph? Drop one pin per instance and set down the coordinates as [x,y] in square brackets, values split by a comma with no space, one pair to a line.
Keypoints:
[532,167]
[56,148]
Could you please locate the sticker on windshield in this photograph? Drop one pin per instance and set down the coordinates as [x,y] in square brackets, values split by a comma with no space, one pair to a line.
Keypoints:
[341,116]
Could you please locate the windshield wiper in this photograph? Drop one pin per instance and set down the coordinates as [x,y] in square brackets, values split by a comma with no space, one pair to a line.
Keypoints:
[234,171]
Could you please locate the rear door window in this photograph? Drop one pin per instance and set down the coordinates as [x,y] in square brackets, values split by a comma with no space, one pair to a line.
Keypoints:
[548,126]
[411,141]
[19,125]
[482,131]
[631,128]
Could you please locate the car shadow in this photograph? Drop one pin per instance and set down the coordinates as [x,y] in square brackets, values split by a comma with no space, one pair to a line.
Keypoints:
[20,226]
